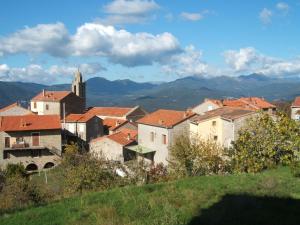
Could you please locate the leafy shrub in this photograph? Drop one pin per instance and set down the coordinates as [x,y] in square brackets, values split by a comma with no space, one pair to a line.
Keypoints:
[295,168]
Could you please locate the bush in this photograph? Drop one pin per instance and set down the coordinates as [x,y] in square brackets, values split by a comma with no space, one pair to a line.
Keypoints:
[197,156]
[265,142]
[295,168]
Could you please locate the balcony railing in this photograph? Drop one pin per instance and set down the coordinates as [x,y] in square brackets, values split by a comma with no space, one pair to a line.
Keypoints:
[20,145]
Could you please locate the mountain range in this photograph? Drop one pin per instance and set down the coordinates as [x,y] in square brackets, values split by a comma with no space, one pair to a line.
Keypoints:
[179,94]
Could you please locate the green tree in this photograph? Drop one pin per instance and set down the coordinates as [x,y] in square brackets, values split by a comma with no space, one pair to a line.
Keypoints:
[192,156]
[265,142]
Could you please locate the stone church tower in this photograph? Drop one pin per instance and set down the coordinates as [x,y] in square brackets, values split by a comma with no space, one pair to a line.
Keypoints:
[78,86]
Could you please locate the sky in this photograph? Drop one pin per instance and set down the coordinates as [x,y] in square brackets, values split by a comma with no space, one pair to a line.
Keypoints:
[146,40]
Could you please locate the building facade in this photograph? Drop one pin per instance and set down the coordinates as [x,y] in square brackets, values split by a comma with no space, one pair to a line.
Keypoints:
[14,109]
[295,109]
[34,141]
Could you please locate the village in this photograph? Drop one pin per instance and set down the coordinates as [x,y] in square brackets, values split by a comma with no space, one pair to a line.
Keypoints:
[35,137]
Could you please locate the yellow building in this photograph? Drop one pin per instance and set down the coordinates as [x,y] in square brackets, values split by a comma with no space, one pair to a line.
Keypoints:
[221,125]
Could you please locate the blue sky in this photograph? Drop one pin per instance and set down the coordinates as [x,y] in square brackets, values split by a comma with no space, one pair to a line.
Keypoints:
[147,40]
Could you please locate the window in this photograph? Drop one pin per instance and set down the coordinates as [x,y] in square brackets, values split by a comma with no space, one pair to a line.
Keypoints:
[214,123]
[47,107]
[7,142]
[35,139]
[19,140]
[152,136]
[215,138]
[34,105]
[164,139]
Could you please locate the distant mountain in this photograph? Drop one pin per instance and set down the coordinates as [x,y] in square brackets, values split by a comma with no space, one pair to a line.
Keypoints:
[179,94]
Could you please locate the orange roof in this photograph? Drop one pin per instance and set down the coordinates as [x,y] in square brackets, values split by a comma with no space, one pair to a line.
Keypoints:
[51,96]
[296,102]
[165,118]
[29,123]
[118,137]
[110,111]
[131,132]
[238,103]
[258,102]
[113,123]
[79,117]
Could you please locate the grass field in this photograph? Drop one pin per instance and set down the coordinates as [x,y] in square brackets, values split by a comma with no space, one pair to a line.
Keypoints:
[269,198]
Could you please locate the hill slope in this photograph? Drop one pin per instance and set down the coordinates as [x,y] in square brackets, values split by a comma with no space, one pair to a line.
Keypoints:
[178,94]
[267,198]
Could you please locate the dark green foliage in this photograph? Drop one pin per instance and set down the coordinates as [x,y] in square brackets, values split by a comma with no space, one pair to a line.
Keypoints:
[295,168]
[15,170]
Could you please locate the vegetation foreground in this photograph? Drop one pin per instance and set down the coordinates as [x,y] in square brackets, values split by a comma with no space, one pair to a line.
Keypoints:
[271,197]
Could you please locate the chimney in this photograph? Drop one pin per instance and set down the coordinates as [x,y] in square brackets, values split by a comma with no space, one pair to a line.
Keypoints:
[118,123]
[0,121]
[128,136]
[160,122]
[44,93]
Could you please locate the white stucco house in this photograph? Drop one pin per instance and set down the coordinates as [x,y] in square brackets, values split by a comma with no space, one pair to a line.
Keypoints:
[295,109]
[158,130]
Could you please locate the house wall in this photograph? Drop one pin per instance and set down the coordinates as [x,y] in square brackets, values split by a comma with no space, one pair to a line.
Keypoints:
[204,107]
[15,111]
[50,140]
[109,149]
[294,114]
[54,108]
[161,150]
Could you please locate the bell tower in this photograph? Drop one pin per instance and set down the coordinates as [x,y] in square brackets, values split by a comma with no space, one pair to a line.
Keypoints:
[78,86]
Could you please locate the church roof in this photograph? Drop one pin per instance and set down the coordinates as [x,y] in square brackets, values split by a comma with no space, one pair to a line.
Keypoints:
[51,96]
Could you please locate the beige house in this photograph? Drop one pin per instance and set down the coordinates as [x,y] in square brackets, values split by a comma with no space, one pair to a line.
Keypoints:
[14,109]
[61,103]
[84,126]
[221,125]
[157,132]
[114,147]
[33,140]
[249,103]
[295,109]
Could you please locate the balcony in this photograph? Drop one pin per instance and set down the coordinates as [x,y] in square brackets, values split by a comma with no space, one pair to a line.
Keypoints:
[22,146]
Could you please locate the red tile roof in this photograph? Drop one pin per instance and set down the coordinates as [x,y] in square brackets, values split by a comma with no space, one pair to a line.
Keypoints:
[51,96]
[110,111]
[296,102]
[228,113]
[249,103]
[165,118]
[30,123]
[133,133]
[112,123]
[118,137]
[83,118]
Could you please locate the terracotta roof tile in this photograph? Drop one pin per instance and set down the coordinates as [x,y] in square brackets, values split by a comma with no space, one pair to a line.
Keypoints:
[165,118]
[110,111]
[112,123]
[51,96]
[29,123]
[133,133]
[119,137]
[79,117]
[230,113]
[296,102]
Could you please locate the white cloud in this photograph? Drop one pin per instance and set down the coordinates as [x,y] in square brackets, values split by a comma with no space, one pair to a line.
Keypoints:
[50,38]
[188,63]
[128,11]
[266,16]
[92,39]
[249,60]
[36,73]
[283,6]
[191,16]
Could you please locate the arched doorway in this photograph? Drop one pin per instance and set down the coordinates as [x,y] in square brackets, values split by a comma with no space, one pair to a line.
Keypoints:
[49,165]
[31,167]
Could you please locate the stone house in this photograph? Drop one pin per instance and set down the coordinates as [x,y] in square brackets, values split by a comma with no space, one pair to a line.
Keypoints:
[114,147]
[85,126]
[33,140]
[112,125]
[295,109]
[157,131]
[221,125]
[249,103]
[14,109]
[61,103]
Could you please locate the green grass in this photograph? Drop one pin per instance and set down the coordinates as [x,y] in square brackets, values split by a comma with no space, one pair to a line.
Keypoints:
[269,198]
